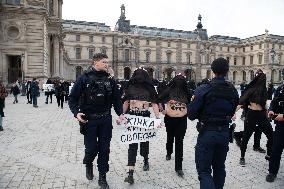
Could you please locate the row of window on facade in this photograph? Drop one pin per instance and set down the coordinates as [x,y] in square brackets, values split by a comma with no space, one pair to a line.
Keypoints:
[260,46]
[78,52]
[12,2]
[91,38]
[244,75]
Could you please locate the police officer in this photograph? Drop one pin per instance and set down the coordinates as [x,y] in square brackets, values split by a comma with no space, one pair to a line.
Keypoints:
[213,104]
[276,112]
[91,99]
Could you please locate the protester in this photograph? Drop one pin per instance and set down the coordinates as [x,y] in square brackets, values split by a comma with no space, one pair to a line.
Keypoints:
[139,94]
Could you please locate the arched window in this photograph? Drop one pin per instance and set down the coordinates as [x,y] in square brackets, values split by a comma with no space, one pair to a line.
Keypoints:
[244,75]
[79,71]
[234,76]
[251,75]
[273,74]
[126,55]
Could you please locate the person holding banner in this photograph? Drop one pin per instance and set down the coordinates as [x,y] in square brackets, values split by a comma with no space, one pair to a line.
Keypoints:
[139,94]
[176,96]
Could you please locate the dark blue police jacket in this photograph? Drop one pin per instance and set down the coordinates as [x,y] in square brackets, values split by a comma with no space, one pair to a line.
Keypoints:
[217,112]
[79,88]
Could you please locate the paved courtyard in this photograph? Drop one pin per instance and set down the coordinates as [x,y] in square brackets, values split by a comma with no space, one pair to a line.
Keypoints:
[42,148]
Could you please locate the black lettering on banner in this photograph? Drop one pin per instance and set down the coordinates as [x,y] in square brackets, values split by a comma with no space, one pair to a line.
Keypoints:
[128,120]
[140,136]
[145,123]
[129,128]
[152,124]
[121,138]
[140,121]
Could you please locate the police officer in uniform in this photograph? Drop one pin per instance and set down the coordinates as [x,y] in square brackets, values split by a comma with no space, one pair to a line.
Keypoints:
[276,112]
[213,104]
[91,99]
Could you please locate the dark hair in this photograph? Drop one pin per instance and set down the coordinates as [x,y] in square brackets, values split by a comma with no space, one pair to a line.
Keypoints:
[34,79]
[220,66]
[99,56]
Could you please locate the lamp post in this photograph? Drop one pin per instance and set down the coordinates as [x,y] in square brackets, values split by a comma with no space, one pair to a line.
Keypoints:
[22,65]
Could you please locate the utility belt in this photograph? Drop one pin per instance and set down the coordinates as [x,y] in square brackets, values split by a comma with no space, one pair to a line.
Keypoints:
[202,127]
[143,113]
[98,115]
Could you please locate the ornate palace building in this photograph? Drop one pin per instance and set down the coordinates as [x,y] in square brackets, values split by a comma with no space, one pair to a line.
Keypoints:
[36,42]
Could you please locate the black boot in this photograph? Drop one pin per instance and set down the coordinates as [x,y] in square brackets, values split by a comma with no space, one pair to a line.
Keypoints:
[129,178]
[102,181]
[89,171]
[146,165]
[1,128]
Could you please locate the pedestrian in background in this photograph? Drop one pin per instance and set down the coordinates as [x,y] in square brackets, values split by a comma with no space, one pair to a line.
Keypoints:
[3,95]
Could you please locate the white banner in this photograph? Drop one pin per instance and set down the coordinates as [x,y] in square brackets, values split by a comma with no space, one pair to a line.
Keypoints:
[135,135]
[139,129]
[142,122]
[48,87]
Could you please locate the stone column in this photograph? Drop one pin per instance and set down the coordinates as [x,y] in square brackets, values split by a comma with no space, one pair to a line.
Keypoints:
[56,56]
[55,8]
[61,69]
[60,9]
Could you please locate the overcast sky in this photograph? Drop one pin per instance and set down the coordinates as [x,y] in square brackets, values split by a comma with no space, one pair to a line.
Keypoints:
[236,18]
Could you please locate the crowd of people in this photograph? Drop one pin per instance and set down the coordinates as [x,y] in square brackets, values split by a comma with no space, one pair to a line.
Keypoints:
[213,103]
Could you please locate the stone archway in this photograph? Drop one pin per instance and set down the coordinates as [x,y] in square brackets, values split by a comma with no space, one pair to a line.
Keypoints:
[79,71]
[127,73]
[168,73]
[251,74]
[235,73]
[244,75]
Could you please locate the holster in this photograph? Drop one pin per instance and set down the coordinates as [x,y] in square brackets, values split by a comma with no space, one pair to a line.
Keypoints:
[82,128]
[200,126]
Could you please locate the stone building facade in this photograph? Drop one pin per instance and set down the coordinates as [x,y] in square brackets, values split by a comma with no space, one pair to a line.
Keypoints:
[48,46]
[30,39]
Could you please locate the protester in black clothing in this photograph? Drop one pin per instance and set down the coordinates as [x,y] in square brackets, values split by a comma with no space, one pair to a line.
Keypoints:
[255,97]
[139,94]
[176,96]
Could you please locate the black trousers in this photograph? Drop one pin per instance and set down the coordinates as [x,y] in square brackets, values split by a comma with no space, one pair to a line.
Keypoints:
[60,100]
[48,94]
[277,148]
[259,118]
[176,129]
[29,96]
[144,146]
[257,136]
[97,142]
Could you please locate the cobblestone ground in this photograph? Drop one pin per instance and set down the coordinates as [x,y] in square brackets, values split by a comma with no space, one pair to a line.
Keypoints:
[42,148]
